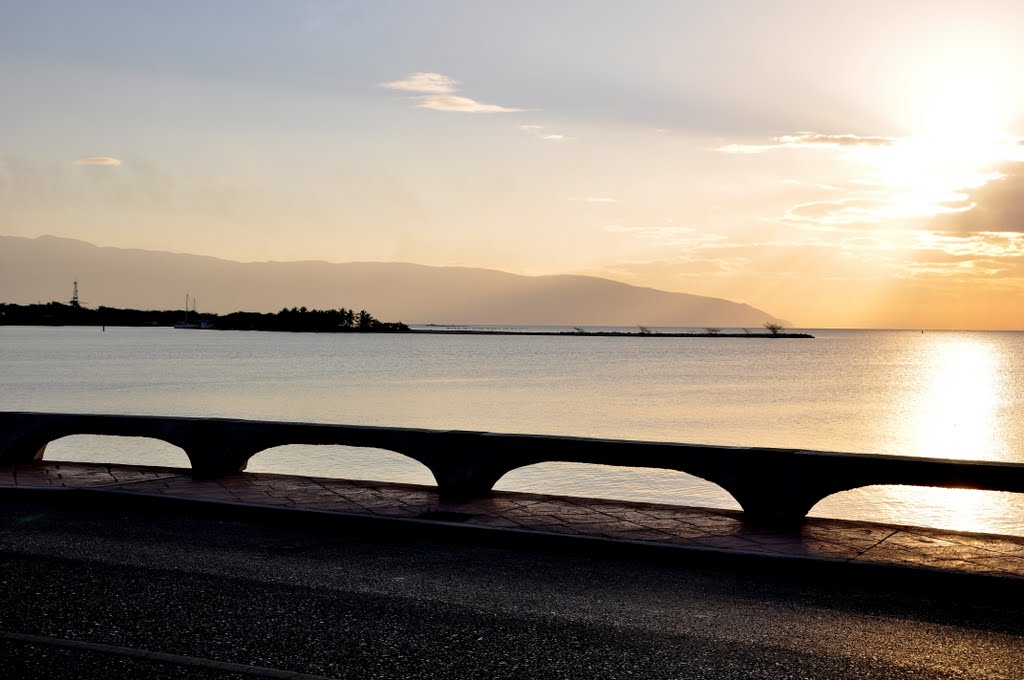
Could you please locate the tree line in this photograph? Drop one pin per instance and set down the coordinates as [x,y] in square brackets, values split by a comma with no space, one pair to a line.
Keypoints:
[309,320]
[295,319]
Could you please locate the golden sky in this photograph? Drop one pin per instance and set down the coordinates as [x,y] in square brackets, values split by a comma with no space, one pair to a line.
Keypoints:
[837,164]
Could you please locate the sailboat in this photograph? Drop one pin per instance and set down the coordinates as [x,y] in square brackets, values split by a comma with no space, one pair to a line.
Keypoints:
[198,323]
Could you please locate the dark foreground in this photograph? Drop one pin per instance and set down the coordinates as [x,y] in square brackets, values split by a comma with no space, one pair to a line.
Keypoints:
[362,600]
[707,533]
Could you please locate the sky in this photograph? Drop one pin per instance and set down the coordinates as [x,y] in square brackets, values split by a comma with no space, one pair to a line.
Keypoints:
[837,164]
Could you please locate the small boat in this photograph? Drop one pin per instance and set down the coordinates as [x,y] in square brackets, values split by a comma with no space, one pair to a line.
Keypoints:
[199,324]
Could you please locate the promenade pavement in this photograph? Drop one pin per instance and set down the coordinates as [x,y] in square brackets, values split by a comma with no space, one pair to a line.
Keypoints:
[701,530]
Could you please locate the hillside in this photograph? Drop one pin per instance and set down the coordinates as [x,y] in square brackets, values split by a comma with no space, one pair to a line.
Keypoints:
[42,269]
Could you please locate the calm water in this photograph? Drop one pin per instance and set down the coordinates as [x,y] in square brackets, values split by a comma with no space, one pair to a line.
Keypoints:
[932,394]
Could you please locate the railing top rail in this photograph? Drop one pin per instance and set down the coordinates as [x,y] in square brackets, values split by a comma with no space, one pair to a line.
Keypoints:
[770,483]
[499,437]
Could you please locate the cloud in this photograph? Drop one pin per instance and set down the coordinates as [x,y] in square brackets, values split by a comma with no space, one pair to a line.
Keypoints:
[437,92]
[971,246]
[810,140]
[594,199]
[457,104]
[101,161]
[983,254]
[997,206]
[539,132]
[746,148]
[431,83]
[841,211]
[818,139]
[904,210]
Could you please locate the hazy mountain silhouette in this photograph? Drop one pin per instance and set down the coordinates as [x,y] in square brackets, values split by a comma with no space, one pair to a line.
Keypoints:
[42,269]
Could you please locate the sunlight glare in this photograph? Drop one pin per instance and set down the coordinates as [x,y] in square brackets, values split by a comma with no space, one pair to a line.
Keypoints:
[956,398]
[958,143]
[967,110]
[961,391]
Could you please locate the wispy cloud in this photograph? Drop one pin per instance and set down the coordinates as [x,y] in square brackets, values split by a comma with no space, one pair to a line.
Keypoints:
[437,92]
[433,83]
[457,104]
[810,140]
[992,207]
[746,148]
[540,132]
[844,211]
[102,161]
[594,199]
[983,254]
[818,139]
[980,244]
[862,210]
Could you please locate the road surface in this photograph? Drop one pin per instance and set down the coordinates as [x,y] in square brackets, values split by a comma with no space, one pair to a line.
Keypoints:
[218,597]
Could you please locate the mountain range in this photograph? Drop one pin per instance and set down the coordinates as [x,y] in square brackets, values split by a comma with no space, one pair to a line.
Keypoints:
[44,268]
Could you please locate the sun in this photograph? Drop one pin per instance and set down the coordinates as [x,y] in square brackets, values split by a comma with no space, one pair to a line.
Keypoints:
[967,109]
[958,143]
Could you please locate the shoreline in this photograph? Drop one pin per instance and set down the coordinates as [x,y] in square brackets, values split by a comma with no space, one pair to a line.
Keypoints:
[431,331]
[613,334]
[303,320]
[427,331]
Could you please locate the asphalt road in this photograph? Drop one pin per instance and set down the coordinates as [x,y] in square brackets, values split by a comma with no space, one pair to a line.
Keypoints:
[365,601]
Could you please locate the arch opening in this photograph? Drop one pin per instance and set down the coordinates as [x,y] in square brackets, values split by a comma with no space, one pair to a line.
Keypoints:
[116,449]
[973,510]
[341,462]
[612,482]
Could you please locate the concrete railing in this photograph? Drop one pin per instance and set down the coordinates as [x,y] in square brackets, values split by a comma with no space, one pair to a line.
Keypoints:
[773,486]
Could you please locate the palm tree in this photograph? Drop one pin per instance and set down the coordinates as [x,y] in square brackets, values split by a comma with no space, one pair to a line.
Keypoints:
[366,321]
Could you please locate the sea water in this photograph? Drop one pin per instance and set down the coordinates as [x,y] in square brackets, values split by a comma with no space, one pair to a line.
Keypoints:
[938,394]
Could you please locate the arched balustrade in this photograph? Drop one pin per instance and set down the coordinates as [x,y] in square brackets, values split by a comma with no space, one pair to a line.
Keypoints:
[775,486]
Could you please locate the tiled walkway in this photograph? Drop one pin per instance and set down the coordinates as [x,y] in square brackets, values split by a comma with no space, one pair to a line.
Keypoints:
[684,527]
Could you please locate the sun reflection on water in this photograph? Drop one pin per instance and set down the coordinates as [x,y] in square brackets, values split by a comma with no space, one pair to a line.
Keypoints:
[952,401]
[959,392]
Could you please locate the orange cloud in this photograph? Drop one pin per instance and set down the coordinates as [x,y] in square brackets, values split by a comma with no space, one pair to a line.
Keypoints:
[818,139]
[809,140]
[994,207]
